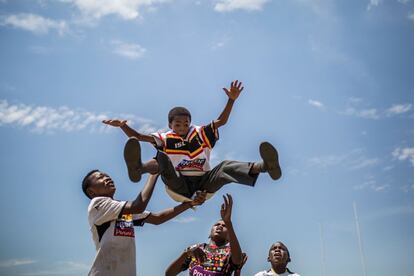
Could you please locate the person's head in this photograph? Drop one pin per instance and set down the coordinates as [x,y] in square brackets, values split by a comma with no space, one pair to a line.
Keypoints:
[219,233]
[179,120]
[278,255]
[97,183]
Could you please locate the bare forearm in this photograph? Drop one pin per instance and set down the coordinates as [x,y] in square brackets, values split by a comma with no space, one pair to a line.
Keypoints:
[141,201]
[175,267]
[224,116]
[236,253]
[149,187]
[130,132]
[169,213]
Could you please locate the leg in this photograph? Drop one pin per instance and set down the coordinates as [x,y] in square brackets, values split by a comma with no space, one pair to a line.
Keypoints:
[270,163]
[227,172]
[169,176]
[132,156]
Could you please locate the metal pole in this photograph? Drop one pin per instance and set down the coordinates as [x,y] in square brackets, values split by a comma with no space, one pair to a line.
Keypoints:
[361,249]
[323,268]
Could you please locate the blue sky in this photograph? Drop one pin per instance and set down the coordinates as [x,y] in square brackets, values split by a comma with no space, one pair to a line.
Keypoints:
[329,83]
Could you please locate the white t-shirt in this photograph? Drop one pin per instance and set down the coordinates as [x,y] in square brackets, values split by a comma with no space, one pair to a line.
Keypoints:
[114,237]
[270,272]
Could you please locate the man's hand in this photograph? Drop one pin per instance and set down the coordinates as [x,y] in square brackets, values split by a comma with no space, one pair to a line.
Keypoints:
[226,207]
[235,89]
[199,198]
[115,123]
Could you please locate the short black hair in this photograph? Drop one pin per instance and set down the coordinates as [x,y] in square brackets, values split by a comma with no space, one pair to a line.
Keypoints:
[178,111]
[87,181]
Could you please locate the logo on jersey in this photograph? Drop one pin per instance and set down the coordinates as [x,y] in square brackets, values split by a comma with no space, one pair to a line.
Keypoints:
[200,271]
[124,227]
[196,164]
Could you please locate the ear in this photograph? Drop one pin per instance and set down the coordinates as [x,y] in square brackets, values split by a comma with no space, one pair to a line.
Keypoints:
[90,192]
[268,259]
[169,125]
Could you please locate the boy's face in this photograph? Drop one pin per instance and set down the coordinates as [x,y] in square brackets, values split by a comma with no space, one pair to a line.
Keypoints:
[180,124]
[278,254]
[101,185]
[219,231]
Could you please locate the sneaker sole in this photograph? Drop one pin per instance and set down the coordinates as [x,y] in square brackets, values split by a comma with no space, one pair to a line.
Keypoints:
[271,160]
[132,156]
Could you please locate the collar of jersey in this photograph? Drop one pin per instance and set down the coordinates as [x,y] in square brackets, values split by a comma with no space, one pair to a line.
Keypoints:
[189,133]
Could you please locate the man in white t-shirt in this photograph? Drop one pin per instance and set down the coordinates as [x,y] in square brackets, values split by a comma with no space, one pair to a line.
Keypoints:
[278,257]
[112,222]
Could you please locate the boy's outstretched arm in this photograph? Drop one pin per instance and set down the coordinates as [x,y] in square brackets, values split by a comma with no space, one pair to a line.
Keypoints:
[181,264]
[130,132]
[140,203]
[233,93]
[167,214]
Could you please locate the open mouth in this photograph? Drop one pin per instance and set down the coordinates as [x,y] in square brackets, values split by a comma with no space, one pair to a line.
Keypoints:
[218,231]
[277,255]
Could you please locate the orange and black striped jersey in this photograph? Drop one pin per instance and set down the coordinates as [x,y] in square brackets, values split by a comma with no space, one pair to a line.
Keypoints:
[190,155]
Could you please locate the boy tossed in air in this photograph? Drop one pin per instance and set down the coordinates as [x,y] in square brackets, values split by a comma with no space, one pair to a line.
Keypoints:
[183,156]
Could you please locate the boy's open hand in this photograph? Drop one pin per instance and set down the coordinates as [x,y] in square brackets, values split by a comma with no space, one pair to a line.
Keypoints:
[115,123]
[199,199]
[226,207]
[235,89]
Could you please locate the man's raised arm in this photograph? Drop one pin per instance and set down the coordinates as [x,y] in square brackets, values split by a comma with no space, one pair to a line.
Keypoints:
[140,203]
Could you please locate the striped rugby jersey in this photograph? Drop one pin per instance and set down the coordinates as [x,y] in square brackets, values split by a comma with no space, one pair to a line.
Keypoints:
[190,155]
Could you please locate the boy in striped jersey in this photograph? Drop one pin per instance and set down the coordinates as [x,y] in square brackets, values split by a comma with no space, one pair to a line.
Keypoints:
[183,156]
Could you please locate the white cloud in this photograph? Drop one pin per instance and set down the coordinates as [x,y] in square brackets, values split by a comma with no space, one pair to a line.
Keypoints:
[371,113]
[398,109]
[231,5]
[126,9]
[128,50]
[185,219]
[404,154]
[407,188]
[371,183]
[354,109]
[380,188]
[315,103]
[63,268]
[40,50]
[367,183]
[411,16]
[43,119]
[354,100]
[16,262]
[364,162]
[34,23]
[353,160]
[373,3]
[368,113]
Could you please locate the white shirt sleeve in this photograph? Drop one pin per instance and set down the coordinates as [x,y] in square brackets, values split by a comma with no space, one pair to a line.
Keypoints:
[139,219]
[104,209]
